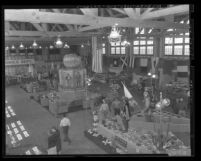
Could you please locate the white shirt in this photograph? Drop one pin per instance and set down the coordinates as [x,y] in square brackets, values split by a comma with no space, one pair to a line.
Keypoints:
[65,122]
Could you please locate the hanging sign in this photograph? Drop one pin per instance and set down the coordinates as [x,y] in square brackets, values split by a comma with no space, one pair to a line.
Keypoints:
[19,62]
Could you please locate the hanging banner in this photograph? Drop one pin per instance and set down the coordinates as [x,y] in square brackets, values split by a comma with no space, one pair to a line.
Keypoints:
[19,62]
[132,61]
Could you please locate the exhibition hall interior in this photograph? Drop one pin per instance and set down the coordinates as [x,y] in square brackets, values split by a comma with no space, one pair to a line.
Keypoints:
[98,80]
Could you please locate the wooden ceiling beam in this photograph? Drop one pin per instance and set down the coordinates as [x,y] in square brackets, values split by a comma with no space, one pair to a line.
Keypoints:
[90,11]
[166,11]
[50,34]
[120,10]
[38,27]
[147,11]
[48,17]
[131,13]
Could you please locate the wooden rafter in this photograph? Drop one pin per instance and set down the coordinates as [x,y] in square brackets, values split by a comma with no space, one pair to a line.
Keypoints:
[167,11]
[59,18]
[120,10]
[146,11]
[68,26]
[131,13]
[50,33]
[90,11]
[137,11]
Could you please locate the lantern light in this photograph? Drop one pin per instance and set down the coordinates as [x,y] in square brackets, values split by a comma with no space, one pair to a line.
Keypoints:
[21,46]
[114,36]
[153,76]
[35,45]
[66,45]
[13,47]
[58,43]
[149,74]
[51,47]
[82,46]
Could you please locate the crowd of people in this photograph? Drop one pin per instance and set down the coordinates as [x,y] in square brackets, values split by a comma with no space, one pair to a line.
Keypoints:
[119,109]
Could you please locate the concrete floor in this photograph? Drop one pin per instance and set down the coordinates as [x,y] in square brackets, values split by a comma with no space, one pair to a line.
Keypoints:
[37,120]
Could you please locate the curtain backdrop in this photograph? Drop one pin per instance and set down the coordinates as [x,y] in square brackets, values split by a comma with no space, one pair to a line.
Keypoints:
[96,56]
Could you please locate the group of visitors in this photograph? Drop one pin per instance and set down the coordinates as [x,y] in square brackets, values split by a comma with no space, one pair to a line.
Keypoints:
[119,110]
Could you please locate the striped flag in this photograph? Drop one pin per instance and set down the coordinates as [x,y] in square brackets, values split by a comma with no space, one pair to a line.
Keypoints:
[132,61]
[96,57]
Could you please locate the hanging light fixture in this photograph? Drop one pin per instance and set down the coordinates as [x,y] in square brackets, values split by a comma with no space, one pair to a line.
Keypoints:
[66,46]
[21,46]
[51,47]
[35,45]
[82,46]
[114,36]
[58,43]
[13,47]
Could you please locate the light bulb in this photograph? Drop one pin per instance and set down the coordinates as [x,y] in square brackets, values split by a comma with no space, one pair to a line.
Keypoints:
[153,76]
[13,47]
[149,74]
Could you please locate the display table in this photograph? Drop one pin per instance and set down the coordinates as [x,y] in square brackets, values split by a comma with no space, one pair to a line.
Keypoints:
[98,140]
[56,107]
[130,147]
[175,125]
[142,142]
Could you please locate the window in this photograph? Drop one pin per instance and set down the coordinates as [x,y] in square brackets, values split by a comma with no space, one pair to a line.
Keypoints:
[187,40]
[137,30]
[168,50]
[143,46]
[186,50]
[168,40]
[118,48]
[178,49]
[103,48]
[150,50]
[178,40]
[136,50]
[177,45]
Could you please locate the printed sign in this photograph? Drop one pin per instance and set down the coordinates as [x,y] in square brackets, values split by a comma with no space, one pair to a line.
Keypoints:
[19,62]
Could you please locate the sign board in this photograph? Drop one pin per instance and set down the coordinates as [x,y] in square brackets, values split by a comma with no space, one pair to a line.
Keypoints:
[19,62]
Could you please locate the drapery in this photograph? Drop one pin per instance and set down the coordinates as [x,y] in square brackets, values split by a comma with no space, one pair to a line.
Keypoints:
[96,57]
[132,61]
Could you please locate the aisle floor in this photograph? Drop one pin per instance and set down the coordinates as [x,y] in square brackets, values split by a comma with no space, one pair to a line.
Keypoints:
[37,120]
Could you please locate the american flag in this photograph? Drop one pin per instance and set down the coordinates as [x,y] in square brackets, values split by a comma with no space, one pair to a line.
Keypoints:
[97,57]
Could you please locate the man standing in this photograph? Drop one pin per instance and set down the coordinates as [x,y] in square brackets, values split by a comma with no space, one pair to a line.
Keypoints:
[65,125]
[68,78]
[77,79]
[125,113]
[115,107]
[103,111]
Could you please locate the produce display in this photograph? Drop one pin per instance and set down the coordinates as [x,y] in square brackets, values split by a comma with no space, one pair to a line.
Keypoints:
[137,141]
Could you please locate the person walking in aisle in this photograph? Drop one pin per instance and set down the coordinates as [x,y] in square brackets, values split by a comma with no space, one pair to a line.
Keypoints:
[65,125]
